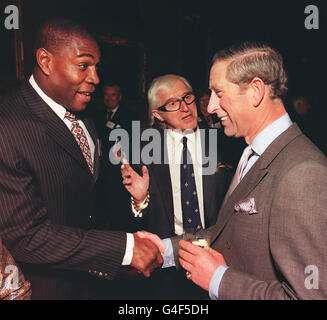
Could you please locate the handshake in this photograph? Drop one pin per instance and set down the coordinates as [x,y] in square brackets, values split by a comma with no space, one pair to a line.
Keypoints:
[148,252]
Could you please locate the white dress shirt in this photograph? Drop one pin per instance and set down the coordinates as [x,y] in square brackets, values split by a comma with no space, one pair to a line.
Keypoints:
[60,112]
[174,150]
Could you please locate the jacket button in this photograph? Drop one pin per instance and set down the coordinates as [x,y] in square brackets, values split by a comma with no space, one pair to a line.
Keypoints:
[228,245]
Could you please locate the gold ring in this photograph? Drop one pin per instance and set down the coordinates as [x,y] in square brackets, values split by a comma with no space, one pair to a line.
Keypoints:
[188,275]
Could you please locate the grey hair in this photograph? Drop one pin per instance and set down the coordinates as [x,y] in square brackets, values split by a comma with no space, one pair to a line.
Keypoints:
[251,60]
[165,82]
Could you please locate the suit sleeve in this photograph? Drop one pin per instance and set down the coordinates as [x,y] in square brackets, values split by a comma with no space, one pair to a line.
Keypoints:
[30,235]
[297,235]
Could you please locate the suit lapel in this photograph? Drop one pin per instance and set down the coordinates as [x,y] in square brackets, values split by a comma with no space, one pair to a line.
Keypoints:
[256,174]
[206,179]
[54,127]
[161,175]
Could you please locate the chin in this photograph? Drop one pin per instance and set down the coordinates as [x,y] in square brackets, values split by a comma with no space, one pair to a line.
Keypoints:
[78,108]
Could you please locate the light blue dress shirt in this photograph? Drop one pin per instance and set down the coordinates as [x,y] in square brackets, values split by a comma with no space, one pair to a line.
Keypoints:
[259,145]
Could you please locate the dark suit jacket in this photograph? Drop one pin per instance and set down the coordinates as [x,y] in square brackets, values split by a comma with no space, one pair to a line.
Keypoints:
[268,252]
[159,218]
[112,197]
[47,201]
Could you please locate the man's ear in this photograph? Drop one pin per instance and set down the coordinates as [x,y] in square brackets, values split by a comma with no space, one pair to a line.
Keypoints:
[157,115]
[44,60]
[258,90]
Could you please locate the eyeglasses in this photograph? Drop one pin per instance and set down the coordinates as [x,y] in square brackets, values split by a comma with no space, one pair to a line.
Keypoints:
[175,104]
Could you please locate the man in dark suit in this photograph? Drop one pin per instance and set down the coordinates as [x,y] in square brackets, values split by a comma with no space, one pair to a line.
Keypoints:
[112,196]
[269,240]
[49,157]
[172,102]
[117,113]
[114,113]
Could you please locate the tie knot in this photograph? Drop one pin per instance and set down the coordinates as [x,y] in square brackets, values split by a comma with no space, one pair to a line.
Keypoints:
[70,116]
[184,143]
[247,152]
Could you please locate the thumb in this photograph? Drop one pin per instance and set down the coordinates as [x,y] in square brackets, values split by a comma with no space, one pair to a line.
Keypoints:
[145,172]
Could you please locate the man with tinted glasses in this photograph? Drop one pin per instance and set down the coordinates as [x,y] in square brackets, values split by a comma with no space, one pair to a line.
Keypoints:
[181,196]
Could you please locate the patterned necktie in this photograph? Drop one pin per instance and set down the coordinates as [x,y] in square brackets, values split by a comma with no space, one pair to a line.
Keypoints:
[189,197]
[81,139]
[246,155]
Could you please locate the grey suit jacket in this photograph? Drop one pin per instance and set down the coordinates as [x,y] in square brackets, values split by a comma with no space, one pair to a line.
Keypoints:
[47,201]
[278,252]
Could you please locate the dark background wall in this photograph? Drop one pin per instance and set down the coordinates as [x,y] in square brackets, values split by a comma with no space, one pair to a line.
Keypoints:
[181,36]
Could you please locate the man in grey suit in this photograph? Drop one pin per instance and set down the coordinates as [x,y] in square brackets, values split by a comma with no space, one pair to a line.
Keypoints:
[269,240]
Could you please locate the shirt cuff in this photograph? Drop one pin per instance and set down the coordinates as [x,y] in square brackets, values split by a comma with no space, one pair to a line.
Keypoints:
[215,282]
[129,250]
[169,260]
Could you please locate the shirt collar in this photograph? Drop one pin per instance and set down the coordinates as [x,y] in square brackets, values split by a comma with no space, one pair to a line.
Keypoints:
[270,133]
[177,135]
[57,108]
[114,110]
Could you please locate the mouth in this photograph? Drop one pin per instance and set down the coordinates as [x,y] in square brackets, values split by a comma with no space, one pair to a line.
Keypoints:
[224,118]
[188,117]
[85,96]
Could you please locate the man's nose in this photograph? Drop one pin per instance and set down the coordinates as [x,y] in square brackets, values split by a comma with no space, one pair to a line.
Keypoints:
[213,104]
[93,77]
[184,107]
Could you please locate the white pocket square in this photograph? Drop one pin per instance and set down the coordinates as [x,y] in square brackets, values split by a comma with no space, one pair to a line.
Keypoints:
[246,206]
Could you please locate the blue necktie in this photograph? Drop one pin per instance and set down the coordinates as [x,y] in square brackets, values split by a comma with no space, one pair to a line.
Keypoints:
[189,196]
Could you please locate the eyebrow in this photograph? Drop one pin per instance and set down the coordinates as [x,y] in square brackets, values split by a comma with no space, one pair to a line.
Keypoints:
[184,94]
[85,55]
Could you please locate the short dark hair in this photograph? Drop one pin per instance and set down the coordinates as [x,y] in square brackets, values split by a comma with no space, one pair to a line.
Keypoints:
[255,59]
[59,32]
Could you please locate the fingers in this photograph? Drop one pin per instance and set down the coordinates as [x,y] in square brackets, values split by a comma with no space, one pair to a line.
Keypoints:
[156,263]
[146,256]
[186,265]
[124,161]
[126,173]
[125,170]
[186,256]
[145,172]
[154,238]
[127,181]
[190,247]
